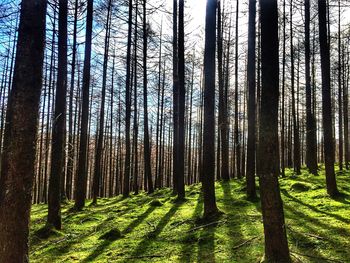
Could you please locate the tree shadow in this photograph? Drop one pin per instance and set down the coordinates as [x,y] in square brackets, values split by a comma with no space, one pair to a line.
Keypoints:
[307,240]
[101,247]
[234,224]
[106,243]
[190,239]
[142,247]
[294,199]
[206,245]
[139,220]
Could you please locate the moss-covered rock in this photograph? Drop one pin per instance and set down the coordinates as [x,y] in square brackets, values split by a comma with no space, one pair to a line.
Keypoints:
[111,235]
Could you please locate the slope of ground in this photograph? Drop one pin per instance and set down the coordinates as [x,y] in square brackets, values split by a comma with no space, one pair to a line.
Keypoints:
[155,228]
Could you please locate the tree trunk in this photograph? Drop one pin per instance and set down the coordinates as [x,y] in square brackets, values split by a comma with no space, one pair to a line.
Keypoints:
[296,140]
[17,166]
[71,146]
[126,186]
[181,105]
[59,124]
[276,245]
[237,131]
[326,100]
[99,147]
[340,95]
[311,151]
[81,176]
[146,139]
[251,190]
[175,98]
[208,169]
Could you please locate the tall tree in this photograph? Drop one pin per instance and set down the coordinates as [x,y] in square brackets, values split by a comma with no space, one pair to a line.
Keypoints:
[175,97]
[181,105]
[251,189]
[99,146]
[17,166]
[146,139]
[276,244]
[71,142]
[296,148]
[346,107]
[208,169]
[59,124]
[340,95]
[283,90]
[326,100]
[237,143]
[81,176]
[311,140]
[136,127]
[126,186]
[224,168]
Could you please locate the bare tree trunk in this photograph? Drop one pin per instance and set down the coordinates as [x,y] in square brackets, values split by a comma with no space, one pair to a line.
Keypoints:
[311,151]
[251,189]
[175,97]
[326,100]
[237,131]
[71,147]
[126,187]
[276,244]
[18,163]
[208,169]
[340,95]
[296,140]
[99,147]
[181,105]
[147,147]
[59,124]
[81,176]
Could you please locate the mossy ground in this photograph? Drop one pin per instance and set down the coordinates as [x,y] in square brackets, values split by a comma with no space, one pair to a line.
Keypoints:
[318,227]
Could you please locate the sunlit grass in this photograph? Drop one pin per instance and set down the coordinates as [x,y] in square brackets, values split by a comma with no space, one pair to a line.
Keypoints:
[318,227]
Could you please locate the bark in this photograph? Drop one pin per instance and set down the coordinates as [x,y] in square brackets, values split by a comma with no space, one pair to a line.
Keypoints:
[99,147]
[311,151]
[276,245]
[296,139]
[126,186]
[81,176]
[326,100]
[146,139]
[237,131]
[251,189]
[208,165]
[175,97]
[59,124]
[18,163]
[71,146]
[340,95]
[223,122]
[181,105]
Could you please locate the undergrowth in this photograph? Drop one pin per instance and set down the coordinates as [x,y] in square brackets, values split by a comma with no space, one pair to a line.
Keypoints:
[156,228]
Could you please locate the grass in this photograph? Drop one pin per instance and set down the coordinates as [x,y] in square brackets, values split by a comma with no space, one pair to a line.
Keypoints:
[156,228]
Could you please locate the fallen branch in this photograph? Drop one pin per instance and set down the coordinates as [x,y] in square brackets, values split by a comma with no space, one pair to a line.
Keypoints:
[181,223]
[307,234]
[317,257]
[151,225]
[245,242]
[206,225]
[146,256]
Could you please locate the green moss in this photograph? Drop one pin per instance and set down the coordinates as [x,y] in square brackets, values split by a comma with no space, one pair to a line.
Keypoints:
[155,202]
[300,187]
[156,228]
[111,235]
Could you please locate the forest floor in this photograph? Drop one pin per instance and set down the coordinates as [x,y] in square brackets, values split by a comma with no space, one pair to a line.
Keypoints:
[156,228]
